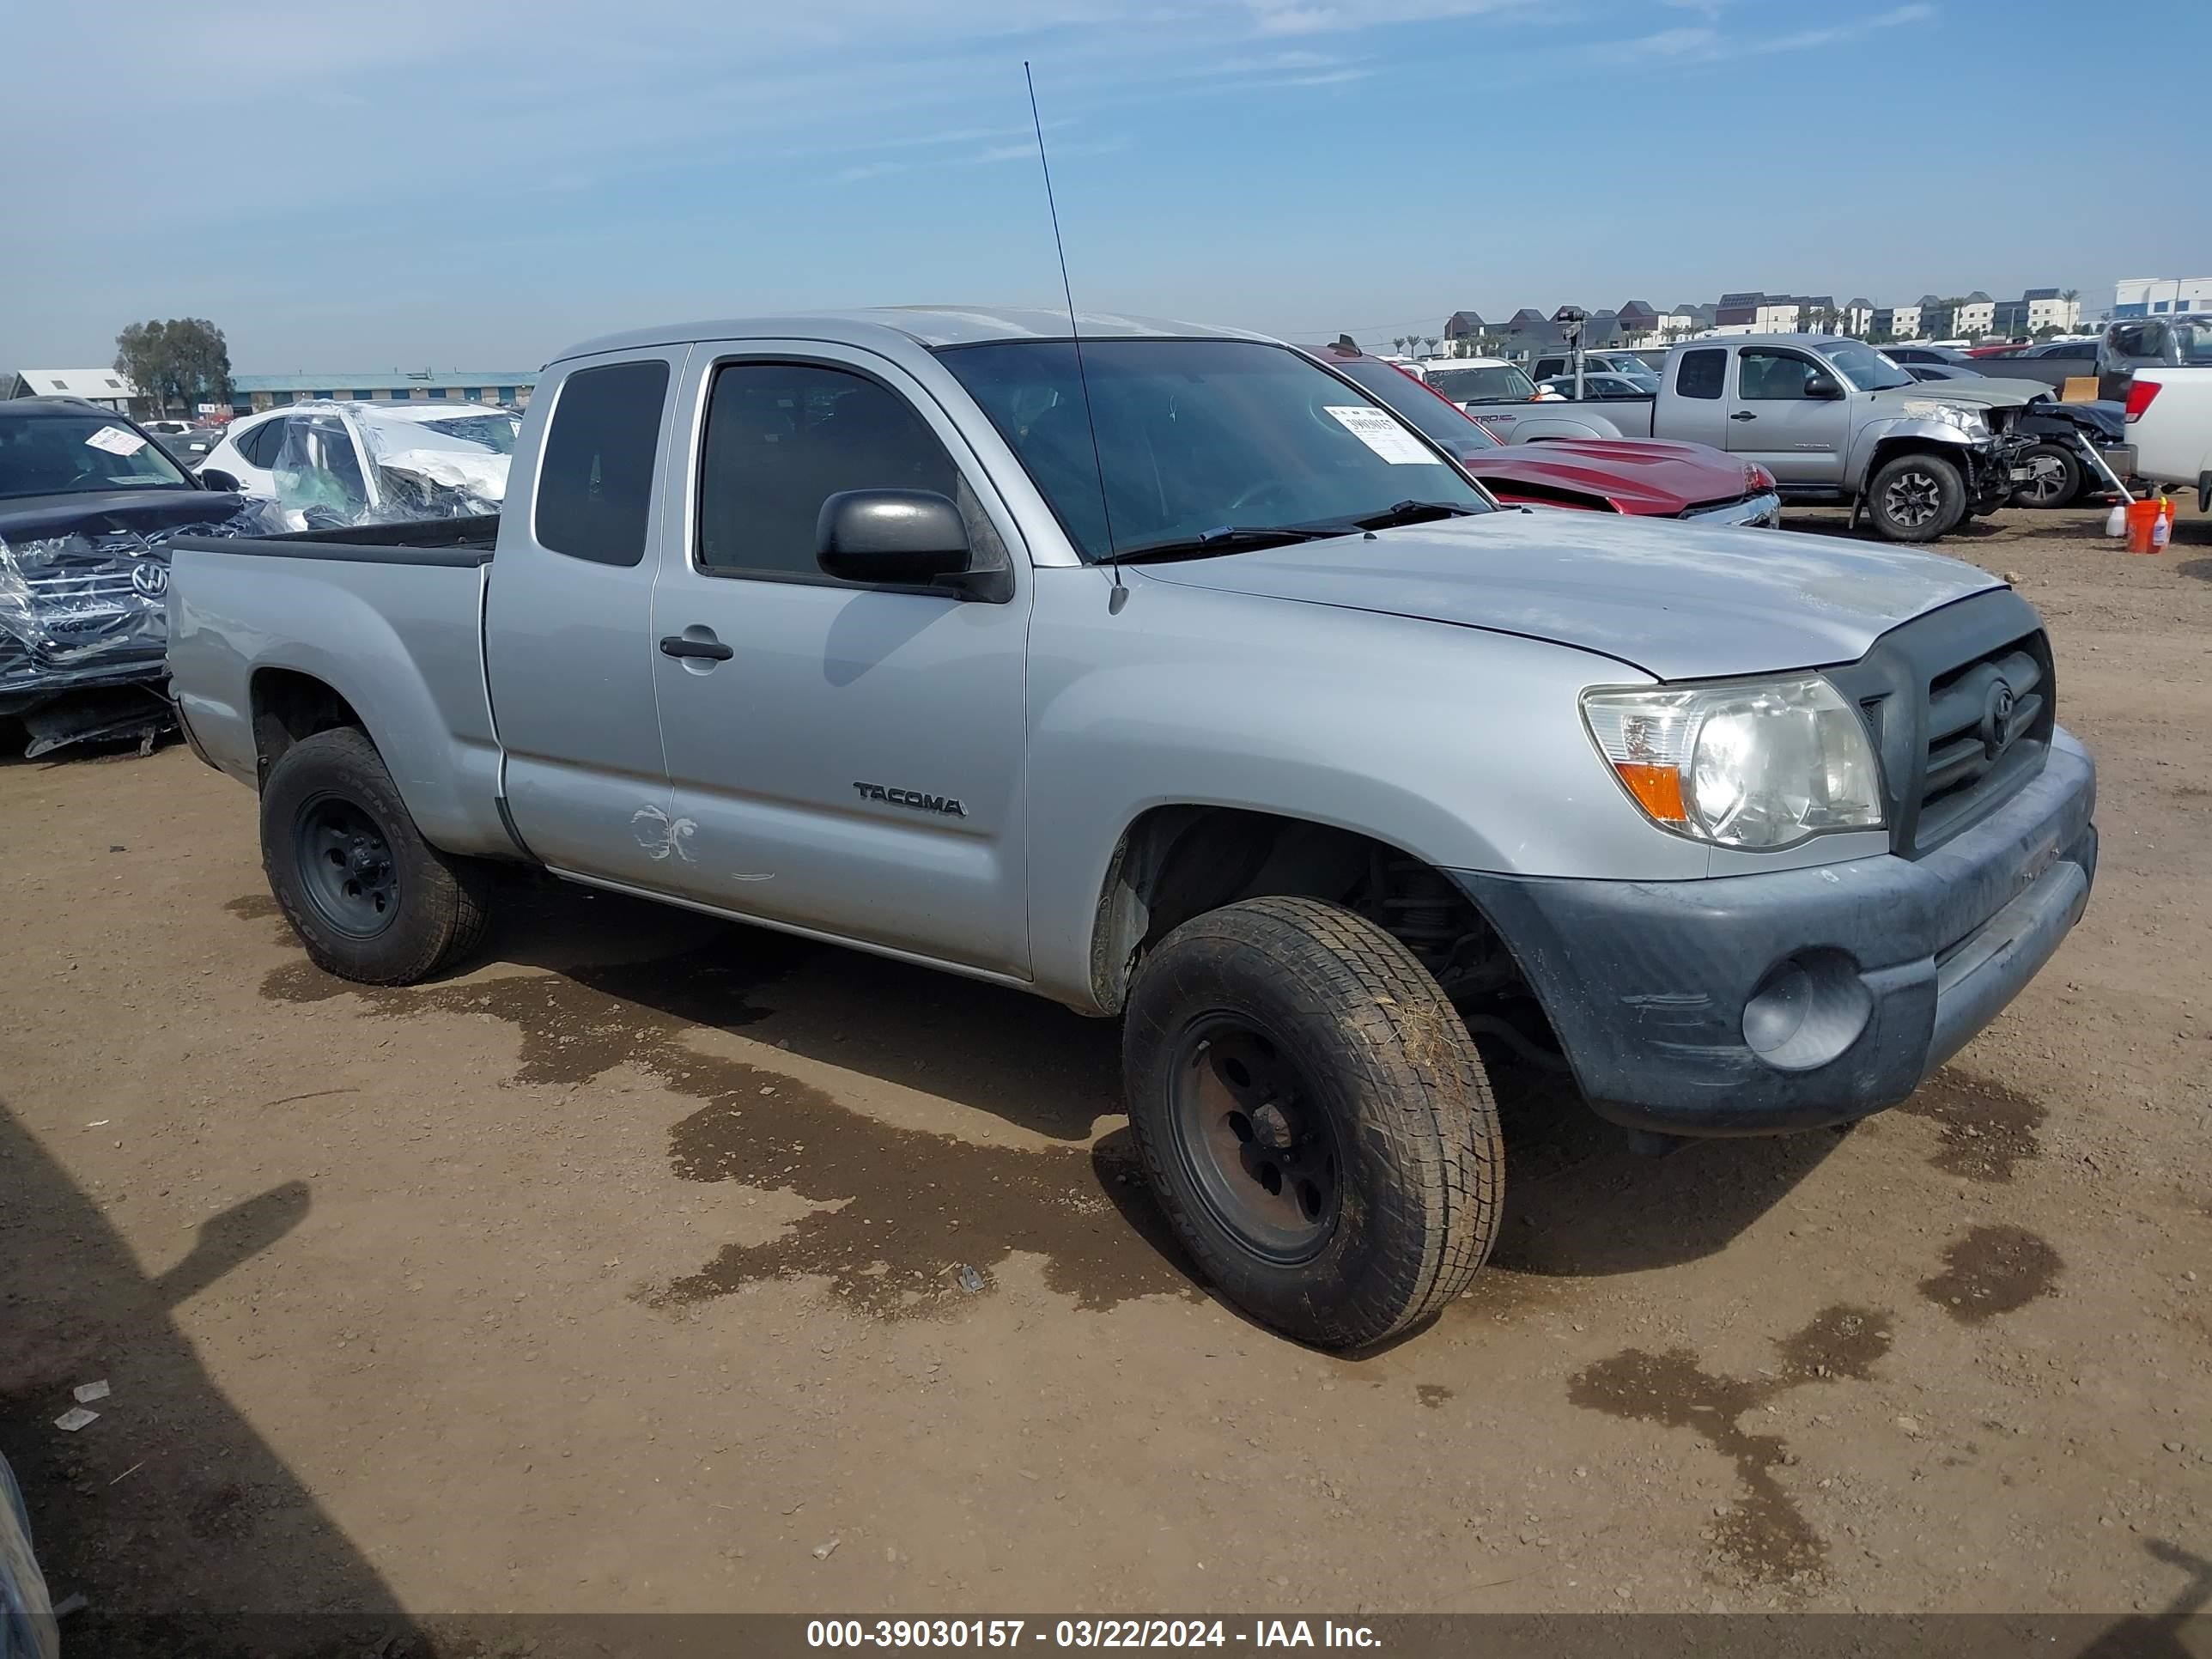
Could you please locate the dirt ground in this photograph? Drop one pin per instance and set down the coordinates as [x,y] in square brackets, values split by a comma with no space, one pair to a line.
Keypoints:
[625,1272]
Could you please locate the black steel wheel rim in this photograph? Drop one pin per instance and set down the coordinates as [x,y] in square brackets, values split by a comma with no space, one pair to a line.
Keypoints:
[1913,498]
[346,866]
[1252,1134]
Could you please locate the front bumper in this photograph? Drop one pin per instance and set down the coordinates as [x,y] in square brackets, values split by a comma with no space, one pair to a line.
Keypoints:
[1750,1004]
[1762,511]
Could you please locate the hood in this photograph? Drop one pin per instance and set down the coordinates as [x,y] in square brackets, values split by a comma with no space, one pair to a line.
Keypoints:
[112,512]
[1965,394]
[1639,475]
[1681,601]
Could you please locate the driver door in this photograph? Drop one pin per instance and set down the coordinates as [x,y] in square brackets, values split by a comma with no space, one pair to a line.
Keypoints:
[1774,420]
[845,758]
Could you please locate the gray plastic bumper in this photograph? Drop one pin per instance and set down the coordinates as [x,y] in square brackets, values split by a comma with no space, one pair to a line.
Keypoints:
[1749,1004]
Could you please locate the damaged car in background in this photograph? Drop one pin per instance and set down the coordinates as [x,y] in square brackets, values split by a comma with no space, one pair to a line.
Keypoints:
[329,463]
[88,503]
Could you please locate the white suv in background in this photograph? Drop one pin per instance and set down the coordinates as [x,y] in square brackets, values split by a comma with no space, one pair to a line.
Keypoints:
[333,437]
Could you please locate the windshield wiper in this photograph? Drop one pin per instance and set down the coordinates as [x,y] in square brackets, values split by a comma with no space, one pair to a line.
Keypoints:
[1406,513]
[1229,538]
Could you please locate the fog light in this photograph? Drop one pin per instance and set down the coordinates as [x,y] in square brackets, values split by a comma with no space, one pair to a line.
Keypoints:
[1809,1009]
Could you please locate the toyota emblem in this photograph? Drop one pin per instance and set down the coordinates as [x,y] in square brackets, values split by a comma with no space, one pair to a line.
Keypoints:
[150,577]
[1996,720]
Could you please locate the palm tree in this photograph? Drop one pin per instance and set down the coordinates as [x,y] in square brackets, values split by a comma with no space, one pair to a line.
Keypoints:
[1431,342]
[1398,343]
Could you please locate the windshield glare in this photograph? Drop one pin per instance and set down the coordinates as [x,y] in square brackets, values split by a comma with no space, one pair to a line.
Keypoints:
[1445,421]
[1866,368]
[1502,385]
[68,454]
[1196,435]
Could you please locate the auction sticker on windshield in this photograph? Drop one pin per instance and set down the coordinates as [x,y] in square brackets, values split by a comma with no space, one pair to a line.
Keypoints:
[1380,431]
[116,442]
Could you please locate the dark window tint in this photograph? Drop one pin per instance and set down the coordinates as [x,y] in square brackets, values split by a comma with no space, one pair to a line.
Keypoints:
[259,446]
[781,437]
[1701,372]
[595,478]
[1773,376]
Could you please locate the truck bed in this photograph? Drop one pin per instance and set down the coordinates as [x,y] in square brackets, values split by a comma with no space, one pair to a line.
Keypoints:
[390,617]
[462,542]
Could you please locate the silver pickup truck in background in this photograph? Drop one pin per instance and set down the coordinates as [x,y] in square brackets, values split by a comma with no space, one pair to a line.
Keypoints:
[1180,682]
[1832,420]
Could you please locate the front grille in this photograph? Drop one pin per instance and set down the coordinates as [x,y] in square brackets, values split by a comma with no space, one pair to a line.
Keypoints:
[1971,761]
[1928,692]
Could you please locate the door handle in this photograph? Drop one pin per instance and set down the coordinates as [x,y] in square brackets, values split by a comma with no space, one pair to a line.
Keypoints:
[1743,415]
[676,645]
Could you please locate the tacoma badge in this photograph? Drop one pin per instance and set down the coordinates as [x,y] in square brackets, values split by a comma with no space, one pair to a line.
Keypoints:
[913,797]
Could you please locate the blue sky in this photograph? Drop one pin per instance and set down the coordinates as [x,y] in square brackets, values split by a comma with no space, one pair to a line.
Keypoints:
[477,183]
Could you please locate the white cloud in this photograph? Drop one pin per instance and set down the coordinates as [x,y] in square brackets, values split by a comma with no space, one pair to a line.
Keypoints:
[1706,44]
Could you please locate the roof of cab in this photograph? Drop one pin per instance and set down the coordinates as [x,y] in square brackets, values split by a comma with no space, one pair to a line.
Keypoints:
[928,326]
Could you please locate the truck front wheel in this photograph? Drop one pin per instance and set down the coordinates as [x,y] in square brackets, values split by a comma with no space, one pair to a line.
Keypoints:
[370,898]
[1314,1119]
[1916,498]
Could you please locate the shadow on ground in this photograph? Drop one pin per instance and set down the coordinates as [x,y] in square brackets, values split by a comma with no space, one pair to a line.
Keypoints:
[184,1532]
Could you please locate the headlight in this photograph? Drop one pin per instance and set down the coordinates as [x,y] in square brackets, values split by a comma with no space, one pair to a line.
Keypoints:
[1760,764]
[1968,420]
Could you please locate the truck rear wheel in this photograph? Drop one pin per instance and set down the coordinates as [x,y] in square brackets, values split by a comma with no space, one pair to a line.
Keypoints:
[1916,498]
[1313,1118]
[370,899]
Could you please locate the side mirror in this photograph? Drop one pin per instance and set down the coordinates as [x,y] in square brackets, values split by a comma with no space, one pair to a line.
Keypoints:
[1823,387]
[900,537]
[214,478]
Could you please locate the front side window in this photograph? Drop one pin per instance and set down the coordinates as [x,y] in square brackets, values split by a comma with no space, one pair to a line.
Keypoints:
[1768,376]
[595,474]
[1701,372]
[781,439]
[1196,436]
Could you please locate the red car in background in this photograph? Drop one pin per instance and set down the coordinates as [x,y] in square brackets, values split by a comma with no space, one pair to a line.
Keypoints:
[1640,475]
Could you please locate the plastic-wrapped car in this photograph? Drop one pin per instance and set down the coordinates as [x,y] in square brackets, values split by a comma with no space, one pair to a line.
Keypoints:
[27,1615]
[88,503]
[329,463]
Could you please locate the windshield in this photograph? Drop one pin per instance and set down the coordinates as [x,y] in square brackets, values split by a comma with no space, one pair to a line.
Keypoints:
[1864,367]
[73,454]
[2194,342]
[1504,384]
[1197,435]
[1443,420]
[493,431]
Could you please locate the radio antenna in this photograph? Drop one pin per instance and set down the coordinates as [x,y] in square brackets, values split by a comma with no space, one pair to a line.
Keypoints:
[1083,379]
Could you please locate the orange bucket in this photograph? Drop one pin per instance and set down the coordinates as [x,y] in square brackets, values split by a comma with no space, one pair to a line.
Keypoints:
[2143,517]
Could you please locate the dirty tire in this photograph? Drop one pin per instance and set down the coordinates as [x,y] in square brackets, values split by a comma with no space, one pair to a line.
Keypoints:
[1916,498]
[1384,1064]
[438,913]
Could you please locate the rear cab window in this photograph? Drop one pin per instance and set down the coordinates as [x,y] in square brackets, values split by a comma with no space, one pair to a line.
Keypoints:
[595,473]
[1702,373]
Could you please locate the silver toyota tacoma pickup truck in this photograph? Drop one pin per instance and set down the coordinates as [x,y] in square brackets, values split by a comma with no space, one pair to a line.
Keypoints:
[1180,681]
